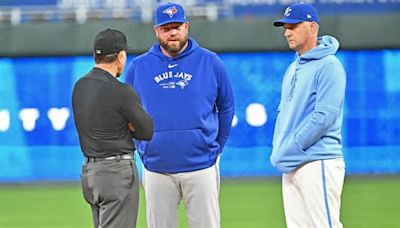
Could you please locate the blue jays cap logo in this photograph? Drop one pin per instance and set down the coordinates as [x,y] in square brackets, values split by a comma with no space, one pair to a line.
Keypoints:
[171,11]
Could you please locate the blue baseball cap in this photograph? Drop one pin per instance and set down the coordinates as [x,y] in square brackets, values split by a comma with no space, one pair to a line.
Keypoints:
[297,13]
[169,13]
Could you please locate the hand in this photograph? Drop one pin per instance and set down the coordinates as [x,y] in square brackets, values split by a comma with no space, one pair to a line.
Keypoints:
[131,127]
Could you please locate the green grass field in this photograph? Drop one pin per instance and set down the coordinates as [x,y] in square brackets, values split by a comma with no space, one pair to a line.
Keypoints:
[368,202]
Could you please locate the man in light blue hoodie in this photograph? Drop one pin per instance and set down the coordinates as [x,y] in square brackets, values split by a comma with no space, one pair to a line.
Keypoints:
[186,91]
[307,143]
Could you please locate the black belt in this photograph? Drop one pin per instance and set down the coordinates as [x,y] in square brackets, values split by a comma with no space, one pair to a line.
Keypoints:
[110,158]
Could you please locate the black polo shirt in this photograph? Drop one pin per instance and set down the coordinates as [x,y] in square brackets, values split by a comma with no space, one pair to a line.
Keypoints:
[102,108]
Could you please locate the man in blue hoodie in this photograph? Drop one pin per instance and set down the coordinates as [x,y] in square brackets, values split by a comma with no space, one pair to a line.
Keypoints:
[307,143]
[186,90]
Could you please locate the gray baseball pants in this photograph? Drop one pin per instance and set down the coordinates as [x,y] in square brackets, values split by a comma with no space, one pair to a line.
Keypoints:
[199,191]
[112,190]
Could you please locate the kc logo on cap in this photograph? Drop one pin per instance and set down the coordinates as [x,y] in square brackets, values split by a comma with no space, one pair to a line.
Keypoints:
[287,12]
[297,13]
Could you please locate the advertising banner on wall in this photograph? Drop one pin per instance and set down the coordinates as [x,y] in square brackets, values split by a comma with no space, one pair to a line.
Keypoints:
[38,139]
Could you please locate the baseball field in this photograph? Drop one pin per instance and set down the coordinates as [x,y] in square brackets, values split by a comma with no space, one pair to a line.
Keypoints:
[368,202]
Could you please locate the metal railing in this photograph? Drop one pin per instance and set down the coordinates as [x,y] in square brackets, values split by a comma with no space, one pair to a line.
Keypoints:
[82,13]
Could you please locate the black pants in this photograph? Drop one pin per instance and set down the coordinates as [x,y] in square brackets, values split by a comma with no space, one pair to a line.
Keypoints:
[112,190]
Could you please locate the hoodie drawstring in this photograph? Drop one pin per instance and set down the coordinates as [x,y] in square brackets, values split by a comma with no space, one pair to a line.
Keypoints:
[293,83]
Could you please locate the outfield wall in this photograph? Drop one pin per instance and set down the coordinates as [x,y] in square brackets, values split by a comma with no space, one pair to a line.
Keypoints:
[354,31]
[38,141]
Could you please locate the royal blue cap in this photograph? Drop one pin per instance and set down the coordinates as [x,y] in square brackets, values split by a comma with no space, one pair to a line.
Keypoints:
[169,13]
[297,13]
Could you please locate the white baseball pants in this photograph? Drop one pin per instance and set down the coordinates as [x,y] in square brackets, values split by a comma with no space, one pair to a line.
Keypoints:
[312,193]
[198,189]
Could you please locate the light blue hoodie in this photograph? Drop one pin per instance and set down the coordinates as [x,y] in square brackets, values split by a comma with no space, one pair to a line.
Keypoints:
[310,113]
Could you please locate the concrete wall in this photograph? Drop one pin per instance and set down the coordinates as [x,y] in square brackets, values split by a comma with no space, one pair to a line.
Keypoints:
[254,34]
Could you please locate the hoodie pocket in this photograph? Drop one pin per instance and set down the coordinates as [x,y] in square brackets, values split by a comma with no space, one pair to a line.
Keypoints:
[172,150]
[286,148]
[290,145]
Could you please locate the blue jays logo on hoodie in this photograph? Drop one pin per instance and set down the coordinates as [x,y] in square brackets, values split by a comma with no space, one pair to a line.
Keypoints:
[167,80]
[171,11]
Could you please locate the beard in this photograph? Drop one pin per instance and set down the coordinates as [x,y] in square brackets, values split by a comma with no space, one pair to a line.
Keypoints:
[173,49]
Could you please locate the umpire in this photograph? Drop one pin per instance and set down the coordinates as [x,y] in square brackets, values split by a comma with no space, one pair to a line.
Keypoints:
[108,115]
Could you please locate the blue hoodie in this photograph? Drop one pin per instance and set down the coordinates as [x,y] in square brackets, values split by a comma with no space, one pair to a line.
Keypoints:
[310,113]
[190,100]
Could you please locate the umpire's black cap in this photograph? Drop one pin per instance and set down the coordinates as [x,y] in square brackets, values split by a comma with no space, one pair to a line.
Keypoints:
[109,41]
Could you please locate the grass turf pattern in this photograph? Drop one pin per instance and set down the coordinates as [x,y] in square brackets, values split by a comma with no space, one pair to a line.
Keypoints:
[367,202]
